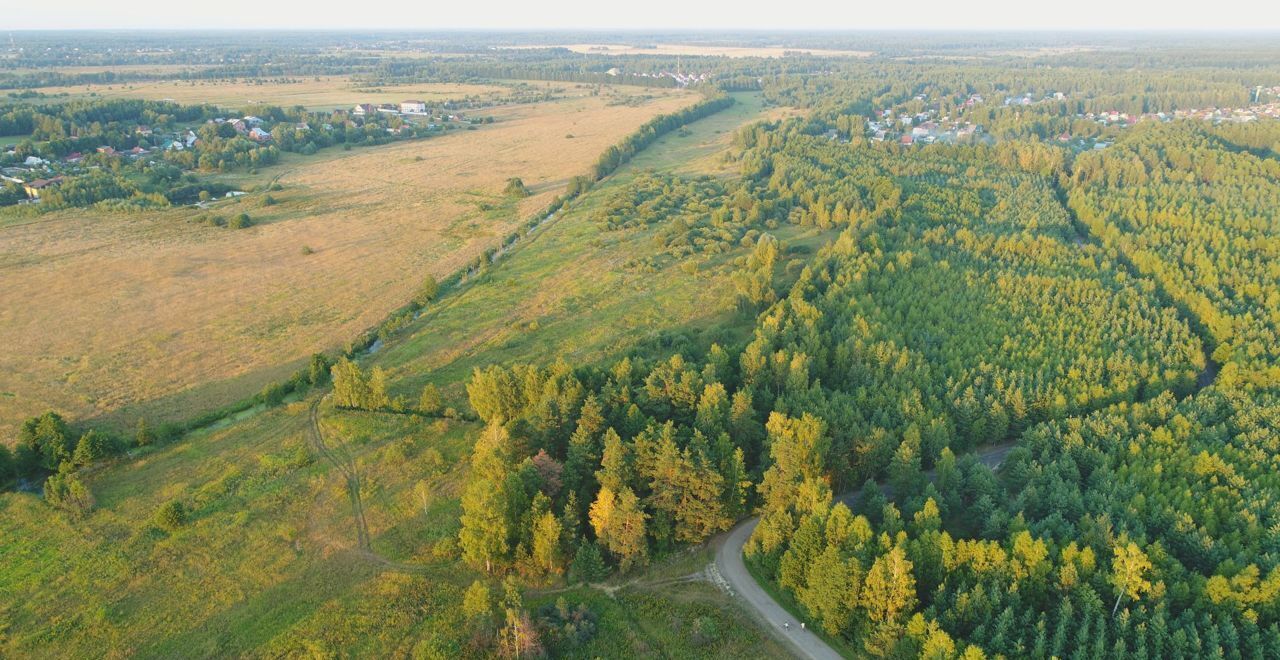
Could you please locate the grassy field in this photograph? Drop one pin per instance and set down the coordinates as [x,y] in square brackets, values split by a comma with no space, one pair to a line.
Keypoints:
[270,562]
[321,92]
[120,315]
[570,291]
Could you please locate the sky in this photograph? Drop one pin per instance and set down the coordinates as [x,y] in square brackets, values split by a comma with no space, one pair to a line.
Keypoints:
[649,14]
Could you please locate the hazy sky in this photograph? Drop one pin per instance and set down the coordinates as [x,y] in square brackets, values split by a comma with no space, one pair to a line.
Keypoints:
[674,14]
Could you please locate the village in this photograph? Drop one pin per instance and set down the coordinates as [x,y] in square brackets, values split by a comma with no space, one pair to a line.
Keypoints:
[927,127]
[33,170]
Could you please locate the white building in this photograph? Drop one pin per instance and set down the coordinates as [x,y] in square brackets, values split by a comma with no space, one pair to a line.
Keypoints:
[413,107]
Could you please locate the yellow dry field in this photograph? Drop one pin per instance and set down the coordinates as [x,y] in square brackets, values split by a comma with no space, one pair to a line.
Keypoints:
[108,317]
[321,92]
[713,51]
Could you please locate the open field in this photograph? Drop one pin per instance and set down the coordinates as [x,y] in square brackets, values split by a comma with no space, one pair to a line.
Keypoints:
[152,314]
[311,92]
[570,291]
[710,51]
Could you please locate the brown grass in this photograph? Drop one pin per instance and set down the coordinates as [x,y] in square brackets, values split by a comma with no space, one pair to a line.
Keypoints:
[321,92]
[122,315]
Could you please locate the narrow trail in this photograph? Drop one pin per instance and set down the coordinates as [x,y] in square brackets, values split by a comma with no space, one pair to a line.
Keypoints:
[345,463]
[729,570]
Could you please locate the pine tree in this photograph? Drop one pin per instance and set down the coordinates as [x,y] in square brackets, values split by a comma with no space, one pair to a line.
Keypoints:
[615,464]
[619,523]
[588,565]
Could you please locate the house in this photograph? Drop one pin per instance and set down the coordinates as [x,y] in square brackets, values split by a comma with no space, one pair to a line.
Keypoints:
[144,131]
[363,109]
[239,125]
[259,135]
[907,140]
[137,151]
[33,161]
[250,120]
[613,71]
[191,139]
[34,188]
[107,151]
[413,107]
[74,157]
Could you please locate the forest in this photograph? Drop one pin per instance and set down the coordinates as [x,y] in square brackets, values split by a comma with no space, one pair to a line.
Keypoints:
[974,297]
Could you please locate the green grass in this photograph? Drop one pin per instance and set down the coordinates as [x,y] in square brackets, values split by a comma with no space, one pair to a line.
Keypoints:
[568,291]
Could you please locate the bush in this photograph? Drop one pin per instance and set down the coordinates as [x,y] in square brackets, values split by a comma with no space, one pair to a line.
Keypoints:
[171,515]
[430,403]
[65,491]
[240,221]
[427,291]
[515,188]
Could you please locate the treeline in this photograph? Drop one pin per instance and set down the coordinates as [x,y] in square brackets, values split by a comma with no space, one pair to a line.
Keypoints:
[650,131]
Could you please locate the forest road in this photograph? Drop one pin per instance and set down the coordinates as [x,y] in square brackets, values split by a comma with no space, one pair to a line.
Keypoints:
[732,567]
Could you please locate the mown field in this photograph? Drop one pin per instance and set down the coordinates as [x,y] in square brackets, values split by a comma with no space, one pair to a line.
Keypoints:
[270,562]
[117,316]
[316,92]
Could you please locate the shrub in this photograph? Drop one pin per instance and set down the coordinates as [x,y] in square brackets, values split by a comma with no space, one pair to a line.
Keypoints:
[515,188]
[240,221]
[171,515]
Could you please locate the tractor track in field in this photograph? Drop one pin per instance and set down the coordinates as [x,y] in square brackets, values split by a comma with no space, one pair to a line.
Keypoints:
[345,463]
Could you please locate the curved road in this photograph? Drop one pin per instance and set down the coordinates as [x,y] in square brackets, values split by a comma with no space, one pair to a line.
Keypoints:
[729,563]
